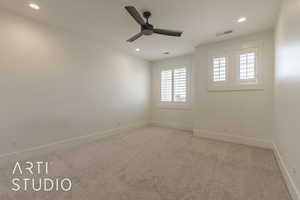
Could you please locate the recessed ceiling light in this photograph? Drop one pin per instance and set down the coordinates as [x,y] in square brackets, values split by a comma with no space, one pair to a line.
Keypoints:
[34,6]
[137,49]
[242,19]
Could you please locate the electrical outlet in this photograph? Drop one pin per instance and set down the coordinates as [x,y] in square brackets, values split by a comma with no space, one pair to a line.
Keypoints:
[119,124]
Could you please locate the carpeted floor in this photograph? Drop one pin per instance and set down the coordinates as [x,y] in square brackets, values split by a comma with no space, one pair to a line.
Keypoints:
[159,164]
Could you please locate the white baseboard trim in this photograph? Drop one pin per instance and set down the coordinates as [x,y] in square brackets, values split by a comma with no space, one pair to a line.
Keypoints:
[294,192]
[28,153]
[232,138]
[174,125]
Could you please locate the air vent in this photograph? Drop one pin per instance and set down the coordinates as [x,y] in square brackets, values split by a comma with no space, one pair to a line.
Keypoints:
[224,33]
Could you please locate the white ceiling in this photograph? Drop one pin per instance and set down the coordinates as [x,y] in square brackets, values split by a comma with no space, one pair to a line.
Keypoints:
[107,21]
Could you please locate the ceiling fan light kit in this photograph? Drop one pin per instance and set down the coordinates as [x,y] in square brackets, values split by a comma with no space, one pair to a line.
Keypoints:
[146,27]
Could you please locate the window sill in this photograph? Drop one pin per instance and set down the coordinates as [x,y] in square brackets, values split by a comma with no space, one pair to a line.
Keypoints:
[174,106]
[240,87]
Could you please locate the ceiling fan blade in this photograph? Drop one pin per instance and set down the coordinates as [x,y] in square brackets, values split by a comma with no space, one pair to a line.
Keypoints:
[135,37]
[135,14]
[168,32]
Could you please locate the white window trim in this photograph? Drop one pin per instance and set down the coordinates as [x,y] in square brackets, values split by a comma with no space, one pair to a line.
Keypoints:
[176,105]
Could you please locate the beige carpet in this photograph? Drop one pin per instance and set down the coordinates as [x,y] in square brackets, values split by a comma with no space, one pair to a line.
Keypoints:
[160,164]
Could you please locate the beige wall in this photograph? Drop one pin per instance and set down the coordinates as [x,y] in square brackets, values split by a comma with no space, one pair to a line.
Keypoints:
[55,85]
[246,114]
[183,117]
[287,88]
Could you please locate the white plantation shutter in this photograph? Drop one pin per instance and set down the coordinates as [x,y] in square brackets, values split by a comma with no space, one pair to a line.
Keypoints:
[219,67]
[166,86]
[173,86]
[247,66]
[180,81]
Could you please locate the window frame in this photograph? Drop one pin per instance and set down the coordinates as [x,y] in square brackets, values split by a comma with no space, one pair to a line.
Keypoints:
[172,104]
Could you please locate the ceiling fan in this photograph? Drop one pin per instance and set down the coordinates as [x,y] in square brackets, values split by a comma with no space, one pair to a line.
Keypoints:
[146,28]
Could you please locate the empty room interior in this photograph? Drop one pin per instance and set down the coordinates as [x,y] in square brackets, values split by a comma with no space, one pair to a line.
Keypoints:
[150,100]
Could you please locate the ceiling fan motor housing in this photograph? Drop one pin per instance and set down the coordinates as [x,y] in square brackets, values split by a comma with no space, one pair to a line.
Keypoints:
[147,14]
[147,29]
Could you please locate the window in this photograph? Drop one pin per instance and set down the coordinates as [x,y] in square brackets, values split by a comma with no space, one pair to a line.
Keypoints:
[173,86]
[166,85]
[180,85]
[219,67]
[247,66]
[235,68]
